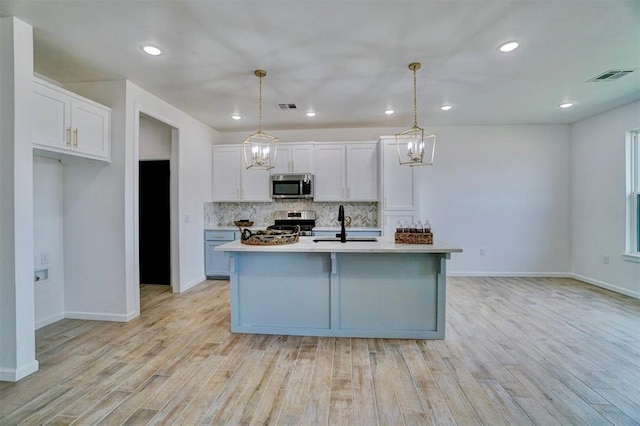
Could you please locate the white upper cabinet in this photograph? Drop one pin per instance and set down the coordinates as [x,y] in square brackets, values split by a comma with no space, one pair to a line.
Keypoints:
[66,123]
[226,173]
[346,171]
[399,190]
[232,181]
[329,172]
[294,158]
[362,172]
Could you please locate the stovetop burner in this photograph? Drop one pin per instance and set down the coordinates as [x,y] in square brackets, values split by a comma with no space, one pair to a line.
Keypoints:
[288,219]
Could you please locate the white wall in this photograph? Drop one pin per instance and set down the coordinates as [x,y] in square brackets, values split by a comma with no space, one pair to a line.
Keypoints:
[17,325]
[194,140]
[315,135]
[501,188]
[48,238]
[95,245]
[504,189]
[155,139]
[598,199]
[191,166]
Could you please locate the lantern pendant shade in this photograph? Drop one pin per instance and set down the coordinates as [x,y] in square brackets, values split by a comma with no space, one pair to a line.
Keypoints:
[260,148]
[414,147]
[260,151]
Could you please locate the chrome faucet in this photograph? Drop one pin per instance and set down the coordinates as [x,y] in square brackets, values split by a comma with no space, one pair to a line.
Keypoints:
[343,232]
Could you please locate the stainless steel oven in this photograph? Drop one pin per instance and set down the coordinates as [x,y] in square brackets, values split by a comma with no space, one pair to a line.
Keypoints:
[287,220]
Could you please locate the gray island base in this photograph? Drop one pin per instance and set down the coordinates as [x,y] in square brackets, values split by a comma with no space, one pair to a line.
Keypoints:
[355,289]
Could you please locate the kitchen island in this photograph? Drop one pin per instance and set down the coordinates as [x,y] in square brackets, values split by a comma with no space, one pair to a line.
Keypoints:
[354,289]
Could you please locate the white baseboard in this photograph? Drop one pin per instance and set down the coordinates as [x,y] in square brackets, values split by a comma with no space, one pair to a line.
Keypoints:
[602,284]
[13,375]
[49,320]
[133,315]
[584,279]
[190,284]
[95,316]
[511,274]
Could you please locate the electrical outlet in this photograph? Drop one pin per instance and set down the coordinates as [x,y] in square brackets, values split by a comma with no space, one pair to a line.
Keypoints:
[332,215]
[44,258]
[369,215]
[605,259]
[41,275]
[483,252]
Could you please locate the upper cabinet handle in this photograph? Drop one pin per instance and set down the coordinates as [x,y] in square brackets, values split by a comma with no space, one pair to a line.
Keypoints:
[69,137]
[75,134]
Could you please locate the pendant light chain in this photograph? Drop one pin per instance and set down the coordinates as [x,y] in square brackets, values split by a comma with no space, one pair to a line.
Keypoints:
[414,148]
[260,148]
[260,106]
[415,101]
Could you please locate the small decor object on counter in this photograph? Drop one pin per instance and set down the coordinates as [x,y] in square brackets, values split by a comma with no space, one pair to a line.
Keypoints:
[413,234]
[243,223]
[269,237]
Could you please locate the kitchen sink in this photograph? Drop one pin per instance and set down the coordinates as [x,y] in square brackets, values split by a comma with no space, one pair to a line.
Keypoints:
[349,239]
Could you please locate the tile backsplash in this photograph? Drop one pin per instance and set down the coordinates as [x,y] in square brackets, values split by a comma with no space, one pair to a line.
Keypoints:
[223,214]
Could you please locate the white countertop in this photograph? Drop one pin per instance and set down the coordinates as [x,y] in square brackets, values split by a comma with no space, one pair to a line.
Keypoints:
[306,244]
[235,228]
[350,228]
[317,228]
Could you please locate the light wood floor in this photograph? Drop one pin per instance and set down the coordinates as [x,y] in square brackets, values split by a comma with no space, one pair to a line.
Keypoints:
[517,351]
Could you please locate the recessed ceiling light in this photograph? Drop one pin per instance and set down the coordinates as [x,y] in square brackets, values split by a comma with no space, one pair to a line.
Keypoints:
[236,117]
[509,46]
[389,111]
[151,50]
[566,105]
[311,114]
[446,107]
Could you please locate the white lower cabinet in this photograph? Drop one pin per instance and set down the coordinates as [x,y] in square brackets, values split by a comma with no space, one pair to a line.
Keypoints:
[69,124]
[216,263]
[232,181]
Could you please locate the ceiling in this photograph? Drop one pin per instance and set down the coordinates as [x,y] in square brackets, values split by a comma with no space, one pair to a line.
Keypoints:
[348,60]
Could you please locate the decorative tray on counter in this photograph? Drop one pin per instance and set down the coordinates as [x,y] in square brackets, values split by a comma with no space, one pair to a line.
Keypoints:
[269,237]
[413,238]
[243,223]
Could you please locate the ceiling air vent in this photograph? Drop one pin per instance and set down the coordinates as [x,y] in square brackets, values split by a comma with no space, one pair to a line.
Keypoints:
[285,107]
[611,75]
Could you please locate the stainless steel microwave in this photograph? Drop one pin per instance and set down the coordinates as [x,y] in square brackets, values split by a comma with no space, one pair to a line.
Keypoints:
[292,185]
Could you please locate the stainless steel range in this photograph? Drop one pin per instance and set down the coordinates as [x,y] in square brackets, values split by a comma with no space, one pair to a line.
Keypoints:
[286,220]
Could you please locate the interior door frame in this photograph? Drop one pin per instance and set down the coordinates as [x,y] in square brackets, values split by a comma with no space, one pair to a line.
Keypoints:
[174,198]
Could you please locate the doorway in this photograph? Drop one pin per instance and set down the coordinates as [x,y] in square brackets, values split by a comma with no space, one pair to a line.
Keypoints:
[154,222]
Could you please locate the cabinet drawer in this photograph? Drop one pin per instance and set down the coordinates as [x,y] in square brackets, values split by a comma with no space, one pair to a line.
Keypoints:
[219,235]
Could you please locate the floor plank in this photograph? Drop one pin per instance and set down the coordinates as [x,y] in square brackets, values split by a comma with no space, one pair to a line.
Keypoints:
[539,351]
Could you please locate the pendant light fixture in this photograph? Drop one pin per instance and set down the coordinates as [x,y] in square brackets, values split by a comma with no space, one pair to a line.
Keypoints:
[260,148]
[414,148]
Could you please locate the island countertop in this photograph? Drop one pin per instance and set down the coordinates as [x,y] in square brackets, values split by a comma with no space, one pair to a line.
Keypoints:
[306,244]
